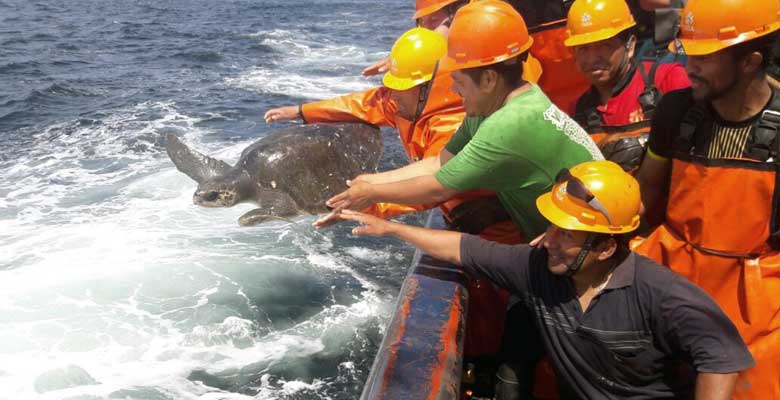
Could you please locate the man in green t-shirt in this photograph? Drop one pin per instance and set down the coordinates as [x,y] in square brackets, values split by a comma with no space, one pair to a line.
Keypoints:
[513,141]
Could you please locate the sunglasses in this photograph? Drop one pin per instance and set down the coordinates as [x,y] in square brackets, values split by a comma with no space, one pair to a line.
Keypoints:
[576,188]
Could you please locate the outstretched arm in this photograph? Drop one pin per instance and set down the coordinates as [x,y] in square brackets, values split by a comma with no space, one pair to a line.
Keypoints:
[379,67]
[444,245]
[715,386]
[426,166]
[282,114]
[419,190]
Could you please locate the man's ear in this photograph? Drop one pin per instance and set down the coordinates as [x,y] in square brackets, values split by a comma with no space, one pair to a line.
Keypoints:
[751,63]
[631,46]
[606,249]
[488,80]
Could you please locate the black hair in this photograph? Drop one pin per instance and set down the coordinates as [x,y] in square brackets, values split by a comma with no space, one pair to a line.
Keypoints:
[510,70]
[767,45]
[622,240]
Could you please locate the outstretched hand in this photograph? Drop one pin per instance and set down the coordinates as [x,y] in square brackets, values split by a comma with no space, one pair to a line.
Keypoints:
[357,197]
[379,67]
[371,225]
[281,114]
[334,217]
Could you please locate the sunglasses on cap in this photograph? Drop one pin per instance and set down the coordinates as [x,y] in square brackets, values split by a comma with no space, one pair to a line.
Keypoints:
[577,189]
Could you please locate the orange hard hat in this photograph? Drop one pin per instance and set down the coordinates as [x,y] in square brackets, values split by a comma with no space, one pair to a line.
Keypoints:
[592,21]
[413,58]
[595,196]
[483,33]
[708,26]
[427,7]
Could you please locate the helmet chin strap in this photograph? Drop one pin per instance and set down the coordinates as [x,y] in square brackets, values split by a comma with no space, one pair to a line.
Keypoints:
[587,245]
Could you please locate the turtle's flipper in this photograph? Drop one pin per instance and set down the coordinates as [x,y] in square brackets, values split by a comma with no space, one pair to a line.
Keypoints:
[197,166]
[273,205]
[258,216]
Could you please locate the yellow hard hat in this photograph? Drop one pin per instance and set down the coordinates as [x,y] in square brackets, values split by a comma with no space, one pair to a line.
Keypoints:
[595,196]
[413,58]
[592,21]
[708,26]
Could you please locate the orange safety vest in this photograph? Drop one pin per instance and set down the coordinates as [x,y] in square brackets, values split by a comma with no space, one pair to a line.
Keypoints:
[721,232]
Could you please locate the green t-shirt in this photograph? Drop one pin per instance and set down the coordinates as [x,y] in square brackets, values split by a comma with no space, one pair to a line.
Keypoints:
[516,152]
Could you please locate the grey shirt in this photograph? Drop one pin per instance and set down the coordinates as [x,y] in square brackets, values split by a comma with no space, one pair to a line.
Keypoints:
[635,336]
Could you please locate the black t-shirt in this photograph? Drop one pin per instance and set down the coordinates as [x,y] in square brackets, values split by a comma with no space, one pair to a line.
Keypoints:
[633,336]
[724,139]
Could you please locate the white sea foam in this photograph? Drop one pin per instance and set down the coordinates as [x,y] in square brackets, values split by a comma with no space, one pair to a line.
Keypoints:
[338,67]
[125,279]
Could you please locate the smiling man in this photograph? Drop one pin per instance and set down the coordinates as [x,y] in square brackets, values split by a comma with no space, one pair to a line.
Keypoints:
[616,325]
[624,91]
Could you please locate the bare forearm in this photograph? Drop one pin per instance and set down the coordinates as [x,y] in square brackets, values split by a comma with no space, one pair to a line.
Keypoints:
[715,386]
[426,166]
[443,245]
[419,190]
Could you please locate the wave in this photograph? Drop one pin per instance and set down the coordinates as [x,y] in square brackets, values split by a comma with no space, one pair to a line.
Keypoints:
[200,56]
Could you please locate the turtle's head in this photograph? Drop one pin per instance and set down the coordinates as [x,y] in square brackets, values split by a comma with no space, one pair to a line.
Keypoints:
[224,191]
[215,195]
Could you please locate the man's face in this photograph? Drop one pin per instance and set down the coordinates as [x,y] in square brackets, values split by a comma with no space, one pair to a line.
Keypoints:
[406,100]
[563,246]
[601,62]
[473,97]
[712,76]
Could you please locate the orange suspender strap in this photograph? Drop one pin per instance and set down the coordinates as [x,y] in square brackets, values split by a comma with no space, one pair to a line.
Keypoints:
[764,146]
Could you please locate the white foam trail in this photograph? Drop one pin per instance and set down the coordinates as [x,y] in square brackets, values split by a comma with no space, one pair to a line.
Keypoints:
[116,272]
[299,55]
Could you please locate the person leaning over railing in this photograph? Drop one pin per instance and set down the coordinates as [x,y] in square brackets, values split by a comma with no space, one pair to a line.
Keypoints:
[616,325]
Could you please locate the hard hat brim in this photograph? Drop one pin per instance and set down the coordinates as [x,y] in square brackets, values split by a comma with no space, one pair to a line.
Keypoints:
[393,82]
[596,36]
[449,64]
[431,9]
[703,47]
[561,219]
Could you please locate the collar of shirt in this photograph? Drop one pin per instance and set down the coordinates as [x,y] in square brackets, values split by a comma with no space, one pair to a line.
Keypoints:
[623,275]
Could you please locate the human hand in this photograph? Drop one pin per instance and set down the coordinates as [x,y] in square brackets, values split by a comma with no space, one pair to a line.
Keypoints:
[282,114]
[371,225]
[367,178]
[332,218]
[537,242]
[379,67]
[357,197]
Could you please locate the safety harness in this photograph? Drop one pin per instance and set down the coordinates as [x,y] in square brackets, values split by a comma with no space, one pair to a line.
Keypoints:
[587,112]
[762,146]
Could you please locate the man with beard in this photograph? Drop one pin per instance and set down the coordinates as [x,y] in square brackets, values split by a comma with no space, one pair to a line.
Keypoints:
[615,324]
[713,150]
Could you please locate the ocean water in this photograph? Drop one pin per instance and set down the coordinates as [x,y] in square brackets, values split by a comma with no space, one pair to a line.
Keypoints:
[113,285]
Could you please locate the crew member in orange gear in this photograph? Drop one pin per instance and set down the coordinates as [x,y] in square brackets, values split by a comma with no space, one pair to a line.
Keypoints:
[713,150]
[617,108]
[418,102]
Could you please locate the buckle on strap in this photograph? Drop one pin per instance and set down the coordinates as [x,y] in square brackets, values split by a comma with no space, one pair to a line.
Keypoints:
[770,118]
[761,146]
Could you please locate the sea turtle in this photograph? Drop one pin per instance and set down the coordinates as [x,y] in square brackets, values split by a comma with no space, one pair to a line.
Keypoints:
[289,172]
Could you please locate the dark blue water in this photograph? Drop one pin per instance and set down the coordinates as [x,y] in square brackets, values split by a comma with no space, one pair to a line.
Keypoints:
[112,284]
